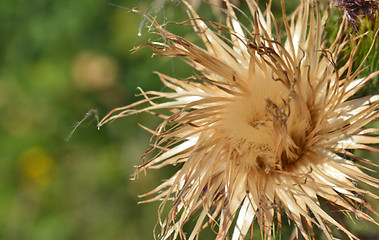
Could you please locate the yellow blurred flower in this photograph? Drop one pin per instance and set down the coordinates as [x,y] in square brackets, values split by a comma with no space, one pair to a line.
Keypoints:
[265,127]
[36,165]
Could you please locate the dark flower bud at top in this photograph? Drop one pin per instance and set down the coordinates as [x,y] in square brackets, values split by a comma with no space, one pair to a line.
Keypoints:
[356,10]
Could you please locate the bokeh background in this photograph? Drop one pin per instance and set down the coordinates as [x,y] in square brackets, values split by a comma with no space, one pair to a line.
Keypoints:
[58,61]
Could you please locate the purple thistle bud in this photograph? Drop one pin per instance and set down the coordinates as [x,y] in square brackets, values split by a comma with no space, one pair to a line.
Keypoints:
[358,9]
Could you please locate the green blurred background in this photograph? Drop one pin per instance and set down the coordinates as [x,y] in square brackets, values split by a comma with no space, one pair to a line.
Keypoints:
[59,60]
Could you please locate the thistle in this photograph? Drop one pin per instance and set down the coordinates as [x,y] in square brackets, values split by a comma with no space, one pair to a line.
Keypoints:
[265,128]
[356,10]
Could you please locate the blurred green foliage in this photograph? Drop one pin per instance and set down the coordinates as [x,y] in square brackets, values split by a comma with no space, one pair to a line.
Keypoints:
[59,60]
[54,56]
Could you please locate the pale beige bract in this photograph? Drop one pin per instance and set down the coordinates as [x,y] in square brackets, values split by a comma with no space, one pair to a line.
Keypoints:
[263,129]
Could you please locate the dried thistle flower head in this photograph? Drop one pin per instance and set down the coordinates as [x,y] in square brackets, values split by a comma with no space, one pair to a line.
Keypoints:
[265,129]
